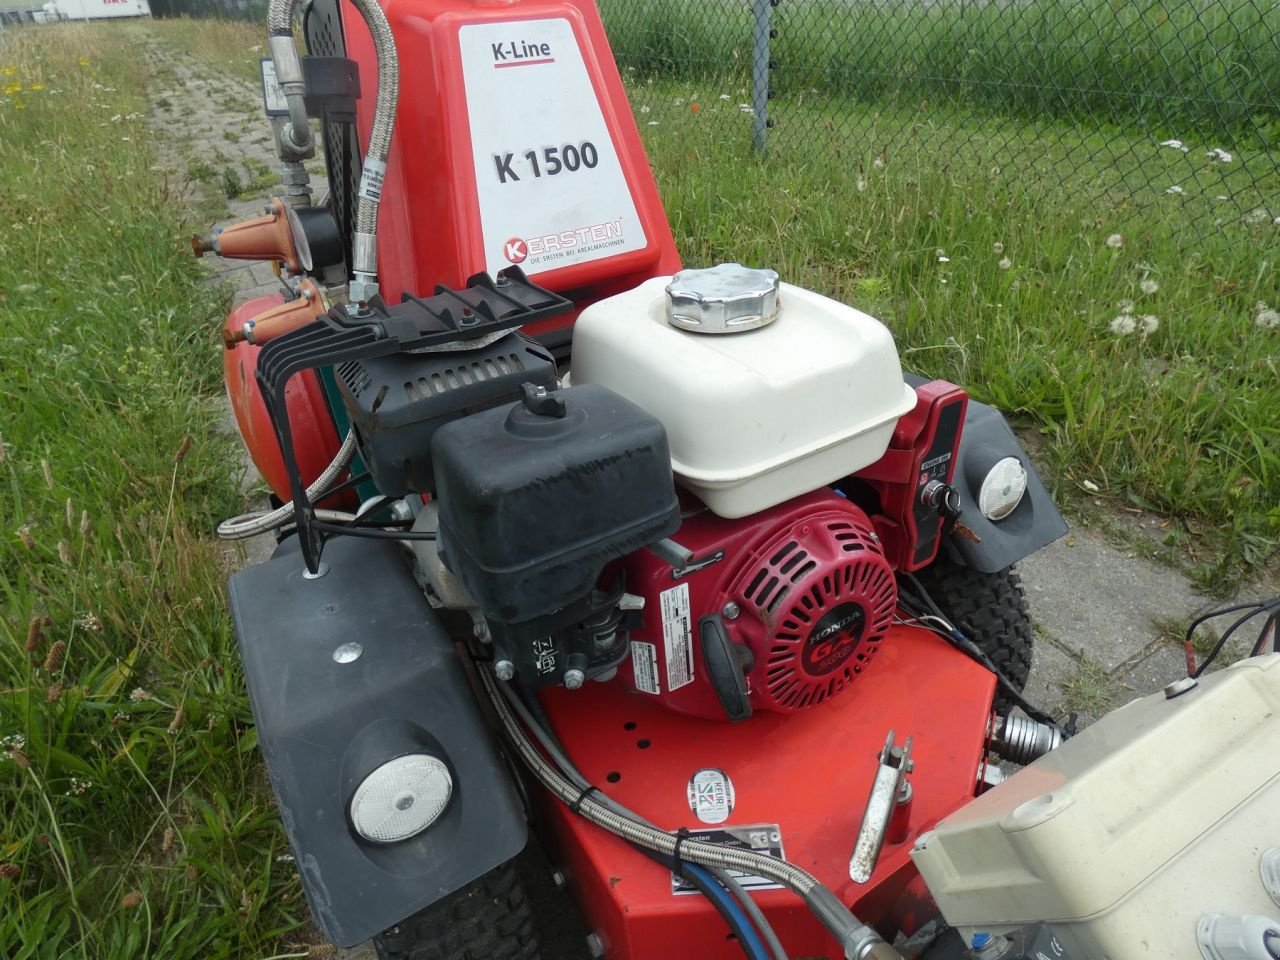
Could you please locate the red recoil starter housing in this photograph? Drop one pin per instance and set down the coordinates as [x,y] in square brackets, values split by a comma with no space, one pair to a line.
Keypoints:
[804,594]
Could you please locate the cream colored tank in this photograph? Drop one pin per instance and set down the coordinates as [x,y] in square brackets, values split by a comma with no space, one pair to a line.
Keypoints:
[790,391]
[1132,833]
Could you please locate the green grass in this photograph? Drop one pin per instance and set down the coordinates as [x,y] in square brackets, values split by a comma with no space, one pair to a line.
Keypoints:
[1189,66]
[911,222]
[136,821]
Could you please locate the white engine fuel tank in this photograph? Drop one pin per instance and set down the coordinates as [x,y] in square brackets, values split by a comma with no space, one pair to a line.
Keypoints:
[790,391]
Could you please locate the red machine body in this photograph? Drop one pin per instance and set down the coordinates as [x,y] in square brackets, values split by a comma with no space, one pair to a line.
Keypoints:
[473,184]
[802,589]
[796,781]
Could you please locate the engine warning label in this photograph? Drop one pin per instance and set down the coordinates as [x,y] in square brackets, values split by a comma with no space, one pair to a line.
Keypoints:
[677,636]
[644,666]
[765,838]
[550,186]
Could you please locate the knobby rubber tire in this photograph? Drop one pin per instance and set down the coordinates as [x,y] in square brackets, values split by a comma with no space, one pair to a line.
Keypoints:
[489,919]
[991,610]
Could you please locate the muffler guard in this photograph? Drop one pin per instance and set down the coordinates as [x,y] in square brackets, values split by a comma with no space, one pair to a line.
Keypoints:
[324,725]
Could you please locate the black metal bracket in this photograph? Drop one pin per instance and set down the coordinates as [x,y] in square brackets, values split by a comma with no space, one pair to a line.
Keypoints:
[333,87]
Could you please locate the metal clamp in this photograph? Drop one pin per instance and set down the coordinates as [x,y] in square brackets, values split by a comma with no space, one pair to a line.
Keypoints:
[894,763]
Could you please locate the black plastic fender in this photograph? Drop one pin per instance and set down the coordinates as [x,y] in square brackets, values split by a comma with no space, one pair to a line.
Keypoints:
[324,725]
[985,439]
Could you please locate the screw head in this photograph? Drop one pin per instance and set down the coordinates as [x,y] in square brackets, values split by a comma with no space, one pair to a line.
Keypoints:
[504,669]
[347,653]
[595,945]
[730,611]
[575,678]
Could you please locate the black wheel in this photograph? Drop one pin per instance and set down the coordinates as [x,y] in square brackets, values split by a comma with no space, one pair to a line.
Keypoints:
[990,609]
[489,919]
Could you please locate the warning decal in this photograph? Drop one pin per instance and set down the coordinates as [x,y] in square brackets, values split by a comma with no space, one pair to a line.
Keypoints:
[677,635]
[644,666]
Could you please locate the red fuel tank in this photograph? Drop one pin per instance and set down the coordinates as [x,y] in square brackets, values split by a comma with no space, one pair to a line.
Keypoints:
[514,144]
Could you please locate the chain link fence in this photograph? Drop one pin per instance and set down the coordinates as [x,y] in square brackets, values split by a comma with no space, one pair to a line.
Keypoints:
[1134,100]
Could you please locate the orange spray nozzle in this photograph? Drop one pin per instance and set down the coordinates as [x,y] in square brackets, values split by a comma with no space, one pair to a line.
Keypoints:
[268,237]
[279,320]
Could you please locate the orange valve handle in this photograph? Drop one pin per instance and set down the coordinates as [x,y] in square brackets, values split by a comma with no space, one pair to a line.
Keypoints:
[269,237]
[279,320]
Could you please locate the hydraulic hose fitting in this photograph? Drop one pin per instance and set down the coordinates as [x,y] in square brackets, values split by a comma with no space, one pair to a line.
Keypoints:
[1021,740]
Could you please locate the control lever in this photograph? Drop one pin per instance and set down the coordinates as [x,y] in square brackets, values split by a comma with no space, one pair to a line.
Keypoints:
[889,786]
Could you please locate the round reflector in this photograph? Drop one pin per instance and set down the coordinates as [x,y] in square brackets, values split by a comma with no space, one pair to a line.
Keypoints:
[401,798]
[1002,488]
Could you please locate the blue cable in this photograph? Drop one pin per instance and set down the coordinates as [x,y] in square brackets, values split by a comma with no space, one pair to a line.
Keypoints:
[748,939]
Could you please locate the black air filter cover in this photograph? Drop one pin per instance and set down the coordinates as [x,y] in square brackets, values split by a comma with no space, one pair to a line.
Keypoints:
[533,505]
[396,403]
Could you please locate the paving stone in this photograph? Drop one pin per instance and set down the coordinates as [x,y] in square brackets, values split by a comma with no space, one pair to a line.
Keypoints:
[1100,601]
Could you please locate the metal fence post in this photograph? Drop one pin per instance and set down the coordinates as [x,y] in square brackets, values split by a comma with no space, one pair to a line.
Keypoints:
[760,73]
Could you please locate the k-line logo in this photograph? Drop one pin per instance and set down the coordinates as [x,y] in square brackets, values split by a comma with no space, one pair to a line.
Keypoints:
[519,249]
[522,54]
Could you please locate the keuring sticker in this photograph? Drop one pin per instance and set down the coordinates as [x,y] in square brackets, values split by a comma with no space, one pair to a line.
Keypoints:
[711,795]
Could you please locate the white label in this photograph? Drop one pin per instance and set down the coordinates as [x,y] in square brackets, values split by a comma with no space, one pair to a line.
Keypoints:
[711,795]
[550,188]
[644,666]
[677,635]
[763,838]
[375,171]
[273,98]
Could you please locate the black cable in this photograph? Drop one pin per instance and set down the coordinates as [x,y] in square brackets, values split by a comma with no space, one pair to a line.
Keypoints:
[919,595]
[346,485]
[370,533]
[1222,641]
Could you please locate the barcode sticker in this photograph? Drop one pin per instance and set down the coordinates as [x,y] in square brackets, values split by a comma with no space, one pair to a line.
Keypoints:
[375,172]
[677,635]
[644,666]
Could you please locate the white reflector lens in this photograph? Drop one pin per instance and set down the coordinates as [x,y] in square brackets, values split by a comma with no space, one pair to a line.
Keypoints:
[1002,489]
[401,798]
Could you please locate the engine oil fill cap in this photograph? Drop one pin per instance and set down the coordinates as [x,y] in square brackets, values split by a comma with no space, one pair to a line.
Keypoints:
[728,298]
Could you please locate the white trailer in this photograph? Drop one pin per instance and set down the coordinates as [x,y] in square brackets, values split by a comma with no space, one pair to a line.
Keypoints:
[99,9]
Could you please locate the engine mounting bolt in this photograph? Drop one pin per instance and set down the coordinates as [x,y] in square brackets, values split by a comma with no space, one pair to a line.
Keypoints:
[557,877]
[480,631]
[574,678]
[595,945]
[730,611]
[1179,687]
[504,669]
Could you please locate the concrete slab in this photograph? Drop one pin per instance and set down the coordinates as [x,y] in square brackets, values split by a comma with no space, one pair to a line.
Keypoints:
[1101,601]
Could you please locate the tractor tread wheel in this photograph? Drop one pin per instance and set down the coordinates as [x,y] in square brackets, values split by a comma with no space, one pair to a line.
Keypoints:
[991,610]
[489,919]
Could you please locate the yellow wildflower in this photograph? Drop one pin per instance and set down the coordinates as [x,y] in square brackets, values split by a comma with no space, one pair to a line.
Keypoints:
[12,89]
[36,87]
[84,61]
[19,105]
[9,71]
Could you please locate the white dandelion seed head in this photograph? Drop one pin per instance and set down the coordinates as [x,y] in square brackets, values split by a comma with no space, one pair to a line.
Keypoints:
[1222,156]
[1123,325]
[1267,319]
[1150,323]
[861,184]
[1115,241]
[1175,189]
[878,162]
[1005,263]
[997,248]
[1175,145]
[644,108]
[1124,306]
[1149,287]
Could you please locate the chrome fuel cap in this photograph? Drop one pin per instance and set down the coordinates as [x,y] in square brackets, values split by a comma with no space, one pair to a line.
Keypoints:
[728,298]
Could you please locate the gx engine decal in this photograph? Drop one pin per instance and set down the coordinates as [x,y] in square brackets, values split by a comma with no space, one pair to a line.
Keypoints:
[834,638]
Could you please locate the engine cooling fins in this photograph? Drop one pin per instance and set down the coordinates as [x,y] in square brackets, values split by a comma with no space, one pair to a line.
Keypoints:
[449,320]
